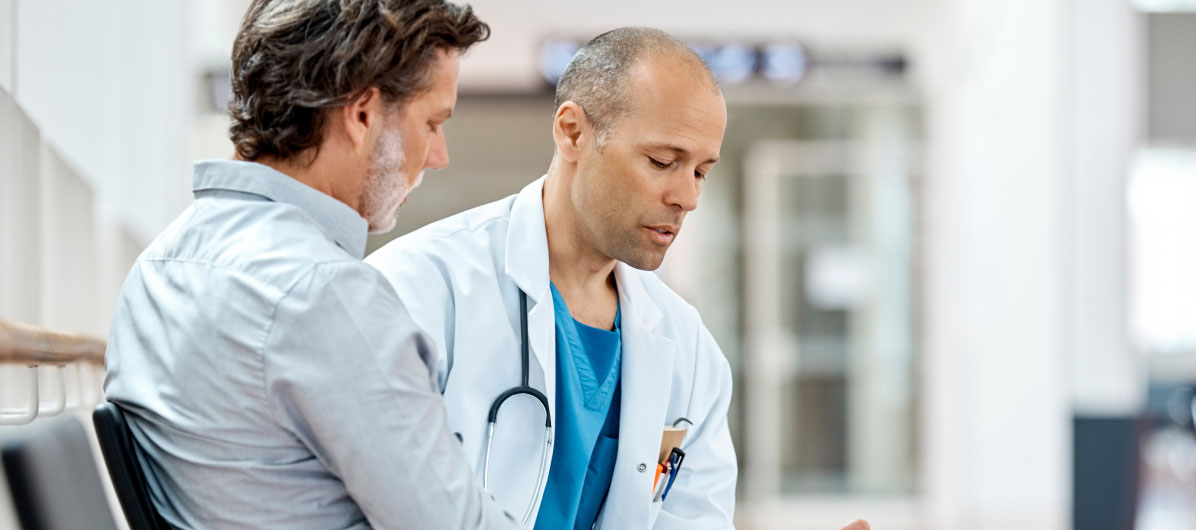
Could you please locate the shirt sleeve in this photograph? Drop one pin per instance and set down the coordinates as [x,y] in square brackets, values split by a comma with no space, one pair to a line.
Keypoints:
[703,496]
[348,373]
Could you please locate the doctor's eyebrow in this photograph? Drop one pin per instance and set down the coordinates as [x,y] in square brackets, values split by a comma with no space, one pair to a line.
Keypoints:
[679,151]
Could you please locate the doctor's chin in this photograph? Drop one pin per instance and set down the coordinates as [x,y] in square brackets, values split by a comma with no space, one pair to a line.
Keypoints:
[441,264]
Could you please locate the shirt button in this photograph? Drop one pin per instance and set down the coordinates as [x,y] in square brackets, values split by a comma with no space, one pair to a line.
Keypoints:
[642,467]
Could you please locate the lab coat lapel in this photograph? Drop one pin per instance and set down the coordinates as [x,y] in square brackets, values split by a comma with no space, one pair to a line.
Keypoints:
[526,264]
[647,361]
[646,373]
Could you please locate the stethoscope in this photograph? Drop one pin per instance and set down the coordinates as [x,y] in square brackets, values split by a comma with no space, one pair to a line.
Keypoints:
[524,388]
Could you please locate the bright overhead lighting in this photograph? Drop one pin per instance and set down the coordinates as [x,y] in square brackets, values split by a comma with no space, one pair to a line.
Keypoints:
[733,63]
[783,63]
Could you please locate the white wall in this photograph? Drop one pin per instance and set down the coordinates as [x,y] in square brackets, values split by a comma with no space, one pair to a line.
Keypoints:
[20,215]
[6,44]
[68,252]
[48,248]
[111,89]
[94,120]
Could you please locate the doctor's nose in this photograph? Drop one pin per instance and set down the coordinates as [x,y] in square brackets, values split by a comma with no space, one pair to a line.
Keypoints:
[684,194]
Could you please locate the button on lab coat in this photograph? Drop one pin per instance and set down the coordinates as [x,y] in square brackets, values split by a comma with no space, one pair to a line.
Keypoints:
[460,279]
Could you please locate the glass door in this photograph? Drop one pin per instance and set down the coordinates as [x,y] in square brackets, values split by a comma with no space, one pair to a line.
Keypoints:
[830,305]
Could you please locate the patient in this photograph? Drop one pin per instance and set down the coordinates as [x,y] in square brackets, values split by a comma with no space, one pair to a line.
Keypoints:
[270,378]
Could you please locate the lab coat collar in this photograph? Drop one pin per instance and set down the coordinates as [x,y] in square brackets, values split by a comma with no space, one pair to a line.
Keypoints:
[526,261]
[526,264]
[643,312]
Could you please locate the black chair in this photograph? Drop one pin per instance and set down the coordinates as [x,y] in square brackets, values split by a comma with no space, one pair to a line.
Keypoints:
[116,442]
[53,477]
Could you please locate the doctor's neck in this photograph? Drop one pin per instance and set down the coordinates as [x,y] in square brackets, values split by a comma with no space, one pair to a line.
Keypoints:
[575,264]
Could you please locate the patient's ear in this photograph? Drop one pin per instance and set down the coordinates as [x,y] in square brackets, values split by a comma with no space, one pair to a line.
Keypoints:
[358,119]
[570,130]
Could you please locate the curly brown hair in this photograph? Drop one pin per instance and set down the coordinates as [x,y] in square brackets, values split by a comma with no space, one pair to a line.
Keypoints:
[293,60]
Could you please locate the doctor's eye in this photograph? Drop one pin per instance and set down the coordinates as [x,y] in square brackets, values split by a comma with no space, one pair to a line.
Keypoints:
[659,164]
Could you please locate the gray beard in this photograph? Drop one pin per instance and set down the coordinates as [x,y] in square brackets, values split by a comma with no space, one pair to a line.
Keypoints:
[386,185]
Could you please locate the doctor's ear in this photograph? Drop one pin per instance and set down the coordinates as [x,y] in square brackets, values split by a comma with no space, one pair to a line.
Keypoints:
[568,130]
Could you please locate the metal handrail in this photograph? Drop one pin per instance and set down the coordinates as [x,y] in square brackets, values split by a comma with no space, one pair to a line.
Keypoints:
[46,353]
[33,346]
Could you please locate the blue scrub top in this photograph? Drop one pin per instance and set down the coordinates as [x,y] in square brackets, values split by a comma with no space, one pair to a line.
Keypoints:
[587,421]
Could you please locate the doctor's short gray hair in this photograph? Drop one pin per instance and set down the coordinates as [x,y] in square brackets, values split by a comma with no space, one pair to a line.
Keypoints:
[596,77]
[294,60]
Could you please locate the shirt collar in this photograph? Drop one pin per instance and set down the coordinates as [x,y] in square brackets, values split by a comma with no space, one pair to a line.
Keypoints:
[348,228]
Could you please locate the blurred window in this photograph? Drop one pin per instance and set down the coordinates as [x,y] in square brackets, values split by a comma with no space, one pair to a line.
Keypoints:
[1162,231]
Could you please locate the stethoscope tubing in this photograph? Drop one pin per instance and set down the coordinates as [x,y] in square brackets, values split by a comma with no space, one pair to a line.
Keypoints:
[523,388]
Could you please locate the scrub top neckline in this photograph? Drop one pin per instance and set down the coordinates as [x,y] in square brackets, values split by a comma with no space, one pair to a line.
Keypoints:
[596,394]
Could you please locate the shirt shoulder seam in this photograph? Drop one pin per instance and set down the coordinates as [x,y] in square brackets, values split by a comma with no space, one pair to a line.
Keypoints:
[269,332]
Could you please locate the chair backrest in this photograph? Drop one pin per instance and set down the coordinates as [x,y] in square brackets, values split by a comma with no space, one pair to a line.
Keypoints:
[53,477]
[116,442]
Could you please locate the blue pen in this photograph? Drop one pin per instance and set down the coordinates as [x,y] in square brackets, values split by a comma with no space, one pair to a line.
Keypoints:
[675,459]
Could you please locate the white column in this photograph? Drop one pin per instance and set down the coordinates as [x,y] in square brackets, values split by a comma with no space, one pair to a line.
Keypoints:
[1108,120]
[997,405]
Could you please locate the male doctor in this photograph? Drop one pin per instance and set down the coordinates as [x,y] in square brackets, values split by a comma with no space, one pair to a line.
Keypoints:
[616,354]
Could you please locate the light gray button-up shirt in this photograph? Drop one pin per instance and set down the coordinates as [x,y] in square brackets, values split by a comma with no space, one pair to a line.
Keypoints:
[273,380]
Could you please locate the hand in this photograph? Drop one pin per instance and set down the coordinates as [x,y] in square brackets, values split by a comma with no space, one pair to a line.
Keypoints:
[858,524]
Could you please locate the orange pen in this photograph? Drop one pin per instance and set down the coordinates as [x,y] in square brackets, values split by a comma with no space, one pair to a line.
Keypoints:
[659,469]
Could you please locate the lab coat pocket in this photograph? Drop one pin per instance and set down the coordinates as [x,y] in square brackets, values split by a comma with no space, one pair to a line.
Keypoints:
[654,509]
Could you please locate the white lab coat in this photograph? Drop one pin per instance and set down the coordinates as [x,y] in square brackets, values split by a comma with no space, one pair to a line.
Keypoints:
[460,279]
